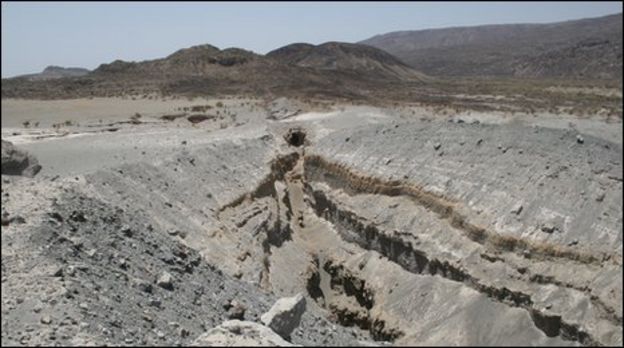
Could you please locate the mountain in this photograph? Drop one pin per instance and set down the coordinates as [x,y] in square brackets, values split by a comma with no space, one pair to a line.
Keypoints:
[193,61]
[332,69]
[362,59]
[56,72]
[207,60]
[587,48]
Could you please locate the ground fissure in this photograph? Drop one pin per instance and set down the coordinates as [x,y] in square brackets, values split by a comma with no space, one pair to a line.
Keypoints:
[297,171]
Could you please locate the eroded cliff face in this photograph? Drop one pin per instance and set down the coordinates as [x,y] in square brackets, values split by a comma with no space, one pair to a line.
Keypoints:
[414,233]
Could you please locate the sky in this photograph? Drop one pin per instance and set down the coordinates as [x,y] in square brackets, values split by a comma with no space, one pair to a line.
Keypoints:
[35,35]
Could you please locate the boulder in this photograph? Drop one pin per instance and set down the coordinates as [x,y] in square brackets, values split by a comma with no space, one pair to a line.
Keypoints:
[165,281]
[285,315]
[242,334]
[18,162]
[236,310]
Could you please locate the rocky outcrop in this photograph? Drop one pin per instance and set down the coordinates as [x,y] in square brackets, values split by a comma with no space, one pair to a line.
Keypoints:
[18,162]
[285,315]
[241,333]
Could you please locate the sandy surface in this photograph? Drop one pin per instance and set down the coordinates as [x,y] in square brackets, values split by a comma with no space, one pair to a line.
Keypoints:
[48,112]
[100,137]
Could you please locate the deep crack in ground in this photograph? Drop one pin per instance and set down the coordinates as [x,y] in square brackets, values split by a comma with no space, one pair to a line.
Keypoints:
[354,300]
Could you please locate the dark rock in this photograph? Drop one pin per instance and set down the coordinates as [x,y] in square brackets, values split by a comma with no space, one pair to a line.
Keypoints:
[165,281]
[155,303]
[57,272]
[18,162]
[236,310]
[77,216]
[18,219]
[126,230]
[549,228]
[285,315]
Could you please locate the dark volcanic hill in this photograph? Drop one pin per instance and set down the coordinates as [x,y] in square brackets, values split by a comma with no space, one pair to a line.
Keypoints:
[362,59]
[56,72]
[194,61]
[587,48]
[332,69]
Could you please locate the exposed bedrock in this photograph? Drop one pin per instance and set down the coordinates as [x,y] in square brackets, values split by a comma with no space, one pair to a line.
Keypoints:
[240,334]
[404,234]
[424,211]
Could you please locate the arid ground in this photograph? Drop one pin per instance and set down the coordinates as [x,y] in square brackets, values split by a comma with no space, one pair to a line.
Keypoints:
[398,223]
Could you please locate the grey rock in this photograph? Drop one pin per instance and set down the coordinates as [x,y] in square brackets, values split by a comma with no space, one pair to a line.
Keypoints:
[285,315]
[155,303]
[126,230]
[236,310]
[18,219]
[165,281]
[18,162]
[549,227]
[240,333]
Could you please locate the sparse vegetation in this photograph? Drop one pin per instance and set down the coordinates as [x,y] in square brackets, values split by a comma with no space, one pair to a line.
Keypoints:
[199,118]
[172,117]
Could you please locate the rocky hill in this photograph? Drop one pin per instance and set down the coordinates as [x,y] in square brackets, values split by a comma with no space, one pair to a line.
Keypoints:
[363,59]
[194,61]
[206,70]
[587,48]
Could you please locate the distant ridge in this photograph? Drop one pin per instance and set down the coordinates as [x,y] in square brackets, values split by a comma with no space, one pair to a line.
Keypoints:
[56,72]
[346,56]
[333,69]
[582,49]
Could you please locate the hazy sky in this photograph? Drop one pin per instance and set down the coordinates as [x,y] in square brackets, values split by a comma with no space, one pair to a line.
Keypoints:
[35,35]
